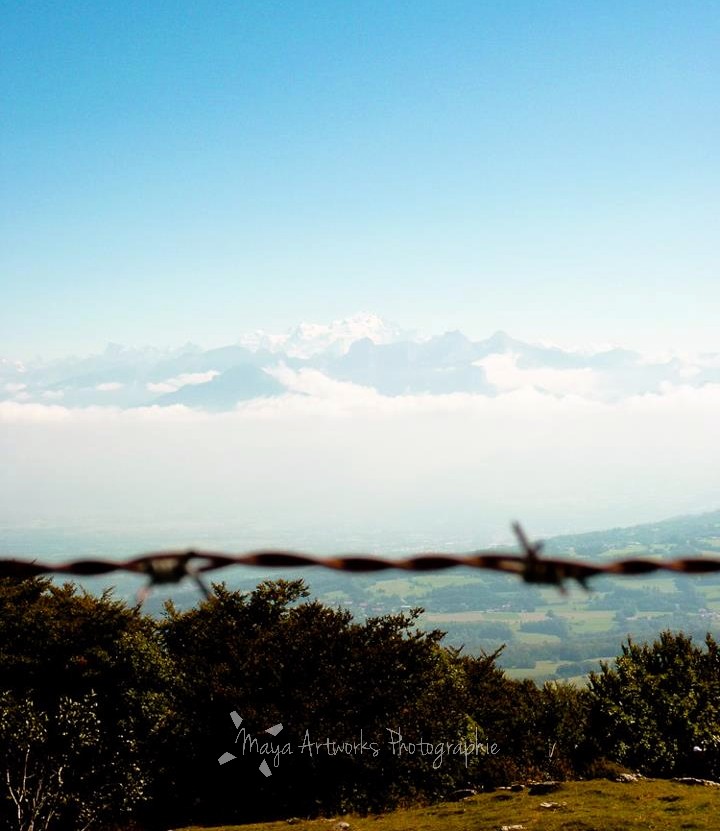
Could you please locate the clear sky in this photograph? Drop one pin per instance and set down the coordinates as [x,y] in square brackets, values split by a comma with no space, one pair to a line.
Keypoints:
[191,170]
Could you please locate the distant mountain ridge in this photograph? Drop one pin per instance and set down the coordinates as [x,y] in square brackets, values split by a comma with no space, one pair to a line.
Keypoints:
[363,350]
[686,534]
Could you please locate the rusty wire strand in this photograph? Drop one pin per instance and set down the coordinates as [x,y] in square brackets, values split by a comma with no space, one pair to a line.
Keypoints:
[170,567]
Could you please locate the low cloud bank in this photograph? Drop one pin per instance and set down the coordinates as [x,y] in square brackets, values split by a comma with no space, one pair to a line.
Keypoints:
[341,457]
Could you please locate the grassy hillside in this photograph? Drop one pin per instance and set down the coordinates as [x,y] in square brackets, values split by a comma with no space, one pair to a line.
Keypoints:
[597,805]
[691,534]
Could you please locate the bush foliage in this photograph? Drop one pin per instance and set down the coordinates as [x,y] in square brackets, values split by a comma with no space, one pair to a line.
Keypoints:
[109,716]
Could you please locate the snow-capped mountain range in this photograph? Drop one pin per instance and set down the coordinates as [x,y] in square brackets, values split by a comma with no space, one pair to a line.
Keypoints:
[363,350]
[308,339]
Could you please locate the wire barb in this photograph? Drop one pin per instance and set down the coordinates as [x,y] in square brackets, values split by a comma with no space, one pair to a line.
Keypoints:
[536,570]
[166,568]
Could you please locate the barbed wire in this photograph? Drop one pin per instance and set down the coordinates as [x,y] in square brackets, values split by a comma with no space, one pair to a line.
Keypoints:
[171,567]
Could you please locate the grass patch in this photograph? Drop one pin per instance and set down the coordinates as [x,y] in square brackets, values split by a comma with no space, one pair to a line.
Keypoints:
[597,805]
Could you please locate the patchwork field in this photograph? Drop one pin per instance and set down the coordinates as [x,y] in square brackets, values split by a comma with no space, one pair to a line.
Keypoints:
[547,634]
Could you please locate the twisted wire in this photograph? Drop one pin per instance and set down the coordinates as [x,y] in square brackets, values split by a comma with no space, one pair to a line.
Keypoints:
[169,567]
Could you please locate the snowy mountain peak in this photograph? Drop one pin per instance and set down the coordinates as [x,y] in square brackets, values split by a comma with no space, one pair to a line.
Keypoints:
[308,339]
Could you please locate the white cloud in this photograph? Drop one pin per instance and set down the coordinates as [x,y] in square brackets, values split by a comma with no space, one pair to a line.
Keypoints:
[109,386]
[182,380]
[503,372]
[313,384]
[53,395]
[161,386]
[13,387]
[15,412]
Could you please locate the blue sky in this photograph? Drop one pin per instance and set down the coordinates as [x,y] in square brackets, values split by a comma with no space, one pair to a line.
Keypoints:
[177,170]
